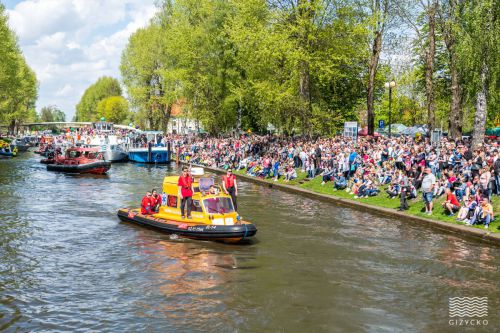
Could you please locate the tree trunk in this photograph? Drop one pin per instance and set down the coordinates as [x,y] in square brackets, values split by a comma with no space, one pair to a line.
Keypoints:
[456,115]
[166,118]
[429,69]
[481,109]
[305,95]
[306,14]
[12,127]
[372,72]
[455,121]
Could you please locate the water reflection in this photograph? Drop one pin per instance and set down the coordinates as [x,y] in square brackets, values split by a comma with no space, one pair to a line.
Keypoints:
[67,263]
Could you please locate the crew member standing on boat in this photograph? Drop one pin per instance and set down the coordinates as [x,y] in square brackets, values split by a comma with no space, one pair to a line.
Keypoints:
[230,186]
[185,184]
[146,204]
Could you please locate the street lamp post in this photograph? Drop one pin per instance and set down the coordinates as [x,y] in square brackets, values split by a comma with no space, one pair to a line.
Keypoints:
[390,85]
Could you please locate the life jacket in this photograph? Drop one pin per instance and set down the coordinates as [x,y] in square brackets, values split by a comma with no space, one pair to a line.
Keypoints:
[185,184]
[145,203]
[229,181]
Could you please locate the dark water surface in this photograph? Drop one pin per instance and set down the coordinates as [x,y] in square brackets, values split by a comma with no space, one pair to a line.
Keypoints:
[68,264]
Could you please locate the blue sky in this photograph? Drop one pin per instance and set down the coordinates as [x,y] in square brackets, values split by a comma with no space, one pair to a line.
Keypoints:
[71,43]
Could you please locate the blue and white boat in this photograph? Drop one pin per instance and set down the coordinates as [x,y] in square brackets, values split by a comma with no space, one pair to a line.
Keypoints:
[151,152]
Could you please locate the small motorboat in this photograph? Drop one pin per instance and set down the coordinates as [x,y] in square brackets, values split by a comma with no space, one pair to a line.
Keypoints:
[6,151]
[80,160]
[213,214]
[51,157]
[20,144]
[44,149]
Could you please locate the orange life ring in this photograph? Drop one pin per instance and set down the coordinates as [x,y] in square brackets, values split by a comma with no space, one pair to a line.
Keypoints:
[88,141]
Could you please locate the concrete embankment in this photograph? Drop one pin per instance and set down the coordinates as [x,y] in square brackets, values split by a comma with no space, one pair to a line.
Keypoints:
[462,230]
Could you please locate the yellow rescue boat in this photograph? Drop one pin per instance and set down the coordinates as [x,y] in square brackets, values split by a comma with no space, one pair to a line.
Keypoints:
[213,214]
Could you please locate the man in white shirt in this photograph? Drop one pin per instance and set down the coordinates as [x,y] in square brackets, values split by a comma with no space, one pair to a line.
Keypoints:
[428,183]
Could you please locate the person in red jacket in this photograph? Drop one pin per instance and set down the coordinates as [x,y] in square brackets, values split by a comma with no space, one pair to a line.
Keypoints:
[230,186]
[146,204]
[185,184]
[451,205]
[155,201]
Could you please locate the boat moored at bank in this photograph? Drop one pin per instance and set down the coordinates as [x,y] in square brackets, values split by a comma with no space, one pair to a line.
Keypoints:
[152,151]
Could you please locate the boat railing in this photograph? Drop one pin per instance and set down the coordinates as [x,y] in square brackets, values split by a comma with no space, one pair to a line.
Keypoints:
[143,146]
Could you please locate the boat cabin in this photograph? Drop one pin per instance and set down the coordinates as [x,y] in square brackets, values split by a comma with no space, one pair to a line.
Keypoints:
[209,207]
[103,126]
[89,153]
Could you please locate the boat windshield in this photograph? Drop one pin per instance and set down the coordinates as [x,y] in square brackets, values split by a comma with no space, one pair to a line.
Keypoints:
[220,205]
[73,154]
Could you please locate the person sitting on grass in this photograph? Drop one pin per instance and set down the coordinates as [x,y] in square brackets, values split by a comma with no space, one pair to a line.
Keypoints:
[412,194]
[355,182]
[366,189]
[371,189]
[469,191]
[340,182]
[290,174]
[327,175]
[393,190]
[451,204]
[466,211]
[483,213]
[385,176]
[440,187]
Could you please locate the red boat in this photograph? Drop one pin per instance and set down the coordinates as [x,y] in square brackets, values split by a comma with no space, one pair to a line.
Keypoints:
[80,160]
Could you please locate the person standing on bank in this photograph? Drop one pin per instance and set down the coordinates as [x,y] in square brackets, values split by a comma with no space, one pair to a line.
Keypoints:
[186,191]
[230,186]
[428,184]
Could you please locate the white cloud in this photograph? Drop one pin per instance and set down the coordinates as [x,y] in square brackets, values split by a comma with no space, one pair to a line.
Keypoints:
[51,42]
[64,91]
[71,43]
[33,19]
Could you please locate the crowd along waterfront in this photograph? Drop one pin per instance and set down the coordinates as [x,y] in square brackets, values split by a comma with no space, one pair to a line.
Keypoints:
[68,263]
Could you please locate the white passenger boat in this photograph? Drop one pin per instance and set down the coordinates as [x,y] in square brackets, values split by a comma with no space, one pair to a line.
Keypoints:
[112,147]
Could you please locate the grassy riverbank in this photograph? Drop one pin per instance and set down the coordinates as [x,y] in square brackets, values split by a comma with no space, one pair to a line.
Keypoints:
[382,200]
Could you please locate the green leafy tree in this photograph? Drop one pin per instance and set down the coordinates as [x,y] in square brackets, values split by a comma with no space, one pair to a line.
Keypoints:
[52,113]
[18,84]
[86,109]
[114,109]
[477,52]
[143,69]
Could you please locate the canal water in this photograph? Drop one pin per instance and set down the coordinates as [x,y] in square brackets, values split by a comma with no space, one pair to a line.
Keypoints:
[68,264]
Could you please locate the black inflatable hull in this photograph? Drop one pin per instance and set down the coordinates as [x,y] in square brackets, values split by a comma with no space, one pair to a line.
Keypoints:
[226,233]
[99,168]
[48,161]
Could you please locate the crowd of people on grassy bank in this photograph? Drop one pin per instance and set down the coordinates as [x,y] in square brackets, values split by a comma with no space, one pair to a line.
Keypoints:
[401,167]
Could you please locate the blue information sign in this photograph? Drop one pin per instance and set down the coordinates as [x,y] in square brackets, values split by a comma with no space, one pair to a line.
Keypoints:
[381,124]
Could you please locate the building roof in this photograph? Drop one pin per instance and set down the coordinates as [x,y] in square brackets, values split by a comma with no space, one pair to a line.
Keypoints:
[177,107]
